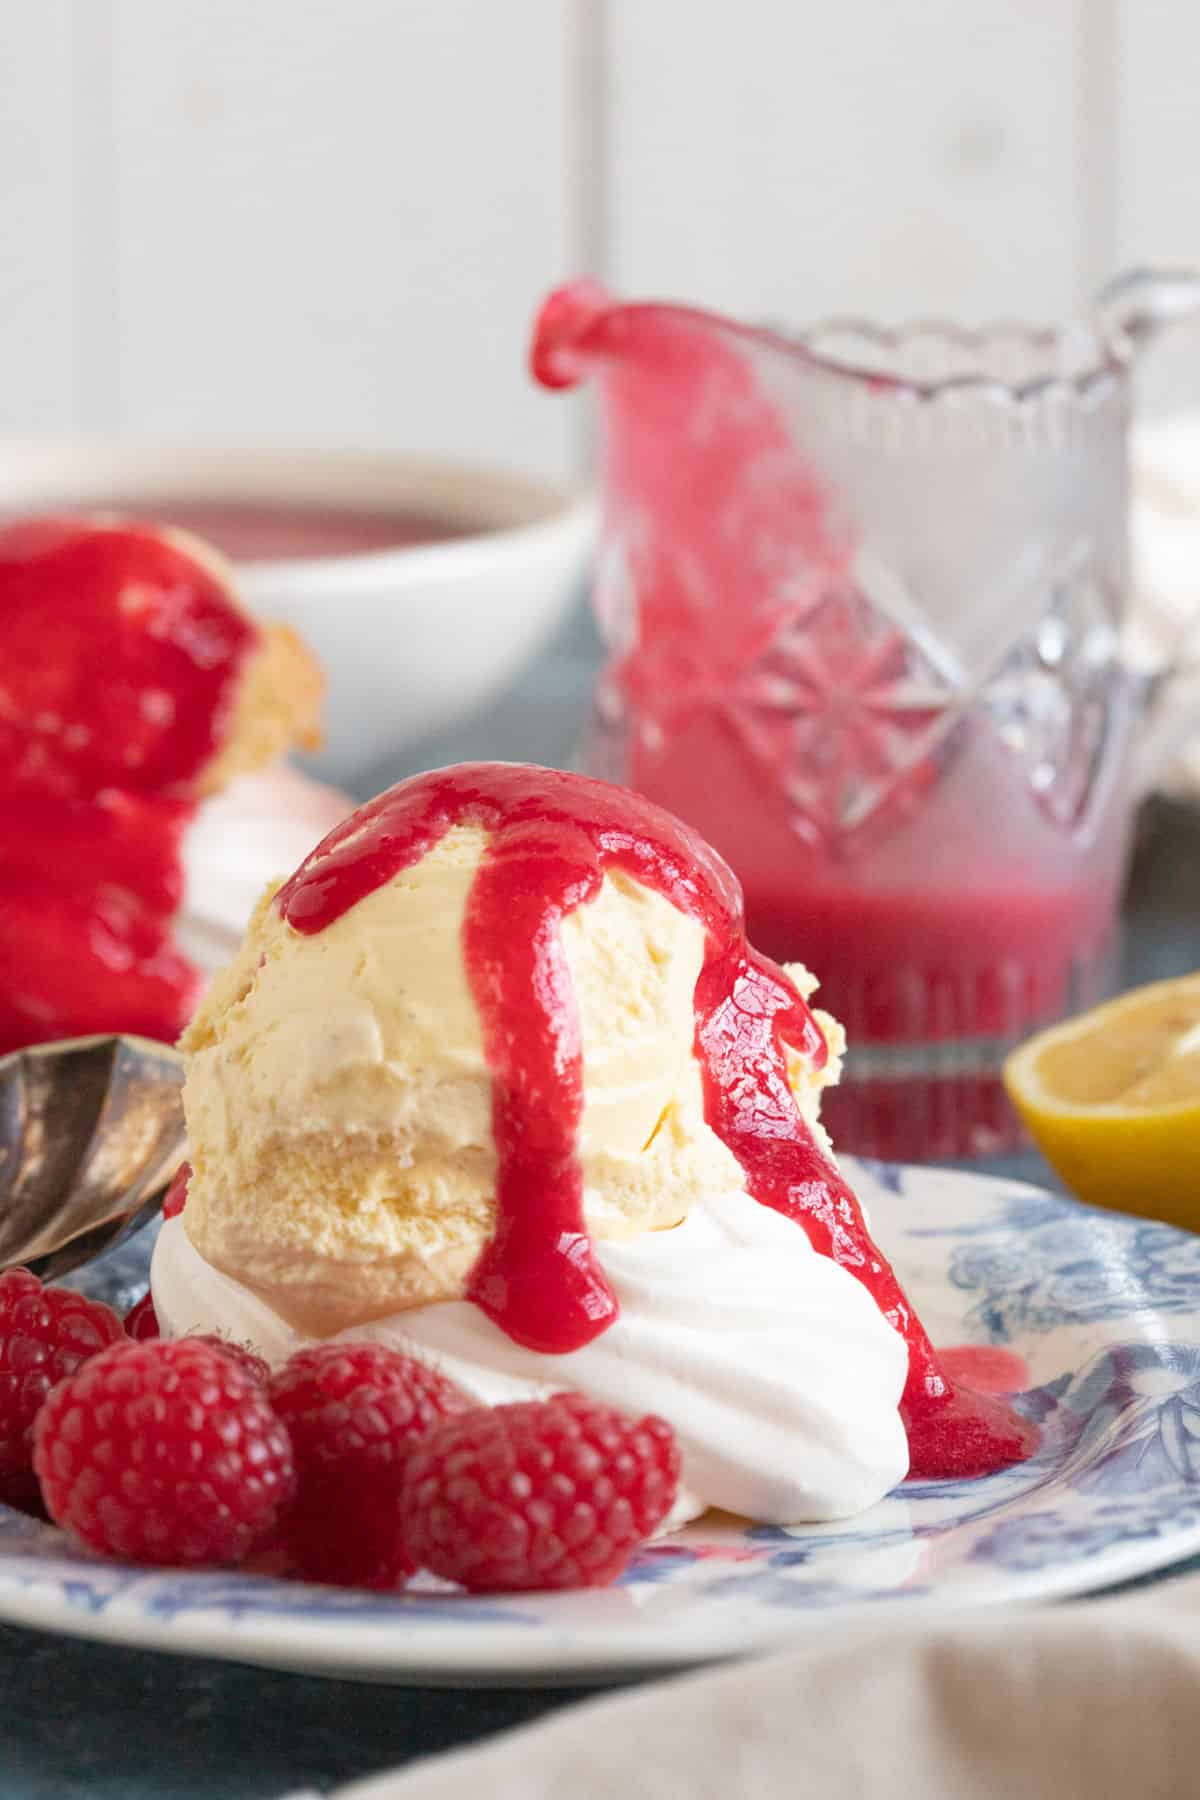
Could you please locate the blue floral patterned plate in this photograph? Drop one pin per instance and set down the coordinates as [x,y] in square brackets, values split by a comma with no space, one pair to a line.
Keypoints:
[1105,1312]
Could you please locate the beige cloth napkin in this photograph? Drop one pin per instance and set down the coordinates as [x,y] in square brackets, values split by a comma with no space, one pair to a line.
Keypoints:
[1096,1700]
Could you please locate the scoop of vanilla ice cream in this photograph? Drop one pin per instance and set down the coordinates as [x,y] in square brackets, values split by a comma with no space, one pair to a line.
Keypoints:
[339,1102]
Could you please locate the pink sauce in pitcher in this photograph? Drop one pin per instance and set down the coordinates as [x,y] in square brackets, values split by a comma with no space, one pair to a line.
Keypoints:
[774,680]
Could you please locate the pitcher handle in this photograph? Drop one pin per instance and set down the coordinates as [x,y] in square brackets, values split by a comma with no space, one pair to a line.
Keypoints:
[1136,306]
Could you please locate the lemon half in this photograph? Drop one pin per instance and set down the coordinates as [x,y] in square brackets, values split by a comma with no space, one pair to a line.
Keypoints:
[1112,1100]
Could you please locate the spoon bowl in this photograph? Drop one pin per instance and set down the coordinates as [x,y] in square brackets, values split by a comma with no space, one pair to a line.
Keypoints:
[91,1132]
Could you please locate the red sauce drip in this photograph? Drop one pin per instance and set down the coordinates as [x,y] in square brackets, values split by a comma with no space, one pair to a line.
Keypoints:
[552,837]
[175,1198]
[986,1368]
[118,657]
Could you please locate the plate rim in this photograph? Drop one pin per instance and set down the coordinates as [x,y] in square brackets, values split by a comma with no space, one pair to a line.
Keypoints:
[283,1643]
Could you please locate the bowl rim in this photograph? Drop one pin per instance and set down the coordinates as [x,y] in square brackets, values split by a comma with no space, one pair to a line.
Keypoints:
[521,512]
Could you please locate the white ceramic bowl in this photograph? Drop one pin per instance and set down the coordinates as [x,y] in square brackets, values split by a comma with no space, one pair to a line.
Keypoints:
[410,638]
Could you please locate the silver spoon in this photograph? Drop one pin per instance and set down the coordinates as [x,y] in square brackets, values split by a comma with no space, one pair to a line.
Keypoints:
[91,1132]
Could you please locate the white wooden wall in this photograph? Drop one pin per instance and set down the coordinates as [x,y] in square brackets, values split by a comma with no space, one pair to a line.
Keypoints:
[291,220]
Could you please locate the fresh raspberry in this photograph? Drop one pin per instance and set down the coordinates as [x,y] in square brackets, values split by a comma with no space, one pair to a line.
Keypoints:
[141,1321]
[177,1193]
[254,1365]
[163,1452]
[45,1334]
[544,1494]
[141,1324]
[353,1411]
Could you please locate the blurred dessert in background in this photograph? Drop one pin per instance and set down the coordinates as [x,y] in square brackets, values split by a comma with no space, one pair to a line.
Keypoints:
[496,1076]
[135,689]
[421,586]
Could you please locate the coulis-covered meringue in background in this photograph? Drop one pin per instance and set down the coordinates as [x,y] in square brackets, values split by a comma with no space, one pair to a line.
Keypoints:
[135,688]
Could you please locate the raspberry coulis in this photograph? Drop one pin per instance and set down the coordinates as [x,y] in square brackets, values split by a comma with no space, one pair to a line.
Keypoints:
[552,838]
[119,652]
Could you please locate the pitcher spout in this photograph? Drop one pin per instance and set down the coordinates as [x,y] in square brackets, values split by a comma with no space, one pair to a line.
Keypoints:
[582,324]
[568,326]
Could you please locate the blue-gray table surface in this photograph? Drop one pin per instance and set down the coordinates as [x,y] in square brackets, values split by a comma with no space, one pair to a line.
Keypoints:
[82,1719]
